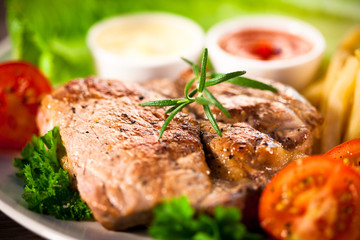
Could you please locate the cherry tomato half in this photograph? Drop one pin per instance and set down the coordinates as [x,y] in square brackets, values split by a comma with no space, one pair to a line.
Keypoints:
[21,88]
[348,152]
[312,198]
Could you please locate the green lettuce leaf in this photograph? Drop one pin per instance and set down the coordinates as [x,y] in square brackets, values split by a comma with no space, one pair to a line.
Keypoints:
[52,34]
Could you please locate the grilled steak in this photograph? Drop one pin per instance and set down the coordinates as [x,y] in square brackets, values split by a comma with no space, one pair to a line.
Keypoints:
[121,168]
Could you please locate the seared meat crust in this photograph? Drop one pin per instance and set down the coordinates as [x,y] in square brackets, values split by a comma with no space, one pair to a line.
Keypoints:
[242,152]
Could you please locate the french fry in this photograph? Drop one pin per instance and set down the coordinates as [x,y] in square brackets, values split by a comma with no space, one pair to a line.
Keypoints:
[353,129]
[313,93]
[351,40]
[332,76]
[318,92]
[338,105]
[346,48]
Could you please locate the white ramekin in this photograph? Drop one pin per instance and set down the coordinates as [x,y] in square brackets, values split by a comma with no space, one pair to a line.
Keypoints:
[115,66]
[297,71]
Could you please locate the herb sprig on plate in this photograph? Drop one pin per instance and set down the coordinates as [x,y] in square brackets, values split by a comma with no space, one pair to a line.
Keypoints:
[47,186]
[202,95]
[176,219]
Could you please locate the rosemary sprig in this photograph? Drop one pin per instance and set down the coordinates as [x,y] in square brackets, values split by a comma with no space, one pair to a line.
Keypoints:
[202,95]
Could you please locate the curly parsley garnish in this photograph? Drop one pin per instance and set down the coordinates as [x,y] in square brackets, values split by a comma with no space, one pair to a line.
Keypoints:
[202,95]
[47,185]
[176,219]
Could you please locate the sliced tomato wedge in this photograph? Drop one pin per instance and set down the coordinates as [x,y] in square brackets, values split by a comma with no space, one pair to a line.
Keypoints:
[312,198]
[348,152]
[21,88]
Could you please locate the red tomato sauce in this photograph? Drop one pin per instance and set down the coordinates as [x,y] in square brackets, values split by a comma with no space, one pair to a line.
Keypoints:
[264,44]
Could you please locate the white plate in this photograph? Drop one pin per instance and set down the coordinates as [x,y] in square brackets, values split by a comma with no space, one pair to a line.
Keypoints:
[12,204]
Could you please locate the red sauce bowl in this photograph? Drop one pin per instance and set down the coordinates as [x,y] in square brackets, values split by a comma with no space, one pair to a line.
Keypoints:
[275,47]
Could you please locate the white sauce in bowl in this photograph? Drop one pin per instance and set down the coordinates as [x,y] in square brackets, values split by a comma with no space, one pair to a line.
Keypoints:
[138,39]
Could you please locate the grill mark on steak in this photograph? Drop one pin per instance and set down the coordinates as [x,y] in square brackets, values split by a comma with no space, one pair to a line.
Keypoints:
[123,174]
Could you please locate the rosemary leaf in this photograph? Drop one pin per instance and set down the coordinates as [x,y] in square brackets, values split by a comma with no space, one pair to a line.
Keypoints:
[202,101]
[247,82]
[170,117]
[195,67]
[161,103]
[203,71]
[193,92]
[183,100]
[172,109]
[187,87]
[212,120]
[216,102]
[223,77]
